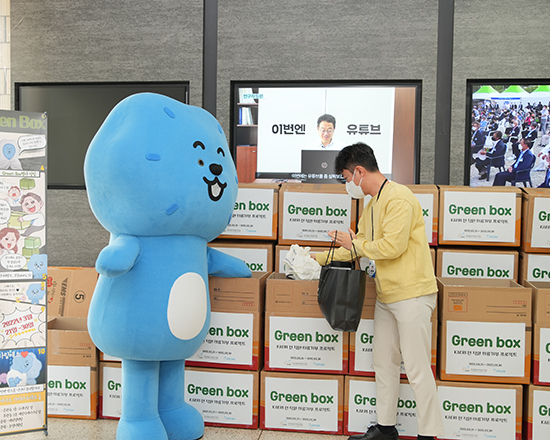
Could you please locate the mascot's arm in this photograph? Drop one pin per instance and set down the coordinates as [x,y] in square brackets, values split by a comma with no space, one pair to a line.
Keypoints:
[118,257]
[222,265]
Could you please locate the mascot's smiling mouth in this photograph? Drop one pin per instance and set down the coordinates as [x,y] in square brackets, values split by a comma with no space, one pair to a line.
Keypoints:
[215,188]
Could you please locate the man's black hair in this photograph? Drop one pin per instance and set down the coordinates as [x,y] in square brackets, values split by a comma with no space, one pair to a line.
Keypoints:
[357,154]
[327,118]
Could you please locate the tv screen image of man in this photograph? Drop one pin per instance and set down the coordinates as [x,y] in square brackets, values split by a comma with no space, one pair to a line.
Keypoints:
[391,233]
[493,156]
[524,162]
[326,125]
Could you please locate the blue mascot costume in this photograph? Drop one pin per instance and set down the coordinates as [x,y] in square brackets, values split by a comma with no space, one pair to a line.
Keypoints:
[161,180]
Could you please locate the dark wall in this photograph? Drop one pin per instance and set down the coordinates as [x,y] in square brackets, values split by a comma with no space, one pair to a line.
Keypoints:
[157,40]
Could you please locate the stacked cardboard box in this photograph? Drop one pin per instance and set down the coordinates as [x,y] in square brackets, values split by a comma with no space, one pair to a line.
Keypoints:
[541,331]
[308,211]
[72,356]
[536,425]
[72,369]
[231,356]
[485,331]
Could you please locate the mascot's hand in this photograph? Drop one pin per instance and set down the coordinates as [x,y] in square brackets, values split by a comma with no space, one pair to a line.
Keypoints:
[118,257]
[222,265]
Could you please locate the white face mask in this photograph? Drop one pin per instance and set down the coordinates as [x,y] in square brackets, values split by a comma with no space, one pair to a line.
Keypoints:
[353,189]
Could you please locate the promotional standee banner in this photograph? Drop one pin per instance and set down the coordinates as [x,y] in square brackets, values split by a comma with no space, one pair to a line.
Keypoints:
[23,272]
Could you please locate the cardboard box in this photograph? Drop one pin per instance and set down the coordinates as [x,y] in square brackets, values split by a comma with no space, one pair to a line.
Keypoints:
[477,263]
[534,267]
[227,398]
[234,340]
[257,256]
[284,294]
[361,344]
[488,216]
[535,216]
[110,390]
[485,330]
[541,301]
[541,331]
[69,342]
[256,213]
[305,342]
[480,411]
[360,407]
[308,211]
[536,412]
[301,402]
[70,290]
[238,294]
[72,369]
[72,391]
[428,196]
[281,251]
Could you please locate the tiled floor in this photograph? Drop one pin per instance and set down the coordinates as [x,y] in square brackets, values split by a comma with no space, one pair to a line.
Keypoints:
[70,429]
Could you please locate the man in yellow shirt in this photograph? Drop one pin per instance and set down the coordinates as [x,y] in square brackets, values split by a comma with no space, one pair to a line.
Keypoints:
[391,233]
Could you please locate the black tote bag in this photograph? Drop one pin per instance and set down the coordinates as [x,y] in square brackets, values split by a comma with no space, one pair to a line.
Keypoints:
[341,292]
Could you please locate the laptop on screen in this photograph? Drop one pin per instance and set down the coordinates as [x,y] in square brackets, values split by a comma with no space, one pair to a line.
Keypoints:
[318,166]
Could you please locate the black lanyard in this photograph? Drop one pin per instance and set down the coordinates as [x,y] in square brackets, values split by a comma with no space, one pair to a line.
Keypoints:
[372,209]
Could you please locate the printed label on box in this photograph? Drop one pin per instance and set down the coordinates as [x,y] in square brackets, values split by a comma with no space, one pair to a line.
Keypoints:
[112,392]
[477,265]
[540,234]
[478,413]
[255,259]
[309,216]
[427,205]
[304,344]
[221,397]
[473,216]
[486,348]
[538,267]
[364,338]
[362,408]
[541,413]
[301,404]
[229,339]
[544,355]
[253,213]
[69,391]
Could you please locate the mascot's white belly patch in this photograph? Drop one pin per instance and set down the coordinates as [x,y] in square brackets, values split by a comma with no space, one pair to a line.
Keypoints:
[187,306]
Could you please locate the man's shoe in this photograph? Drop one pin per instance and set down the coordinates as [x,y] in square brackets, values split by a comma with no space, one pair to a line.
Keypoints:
[374,433]
[511,158]
[482,176]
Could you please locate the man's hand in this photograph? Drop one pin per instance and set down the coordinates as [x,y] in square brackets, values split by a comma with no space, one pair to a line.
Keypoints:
[343,239]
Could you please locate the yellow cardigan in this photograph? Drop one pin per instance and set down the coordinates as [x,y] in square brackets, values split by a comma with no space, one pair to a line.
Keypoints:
[404,267]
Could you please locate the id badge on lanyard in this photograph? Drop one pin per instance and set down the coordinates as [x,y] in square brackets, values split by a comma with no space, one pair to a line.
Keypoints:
[371,269]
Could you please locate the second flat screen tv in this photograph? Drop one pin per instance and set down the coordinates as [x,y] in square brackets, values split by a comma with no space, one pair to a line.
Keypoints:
[75,113]
[273,124]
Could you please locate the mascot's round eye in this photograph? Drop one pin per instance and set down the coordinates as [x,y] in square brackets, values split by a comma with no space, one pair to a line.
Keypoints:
[201,163]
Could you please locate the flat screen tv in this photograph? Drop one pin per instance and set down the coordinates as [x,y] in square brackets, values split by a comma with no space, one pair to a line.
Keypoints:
[290,130]
[75,113]
[499,114]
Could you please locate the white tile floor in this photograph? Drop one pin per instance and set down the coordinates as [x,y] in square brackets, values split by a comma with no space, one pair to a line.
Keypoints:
[70,429]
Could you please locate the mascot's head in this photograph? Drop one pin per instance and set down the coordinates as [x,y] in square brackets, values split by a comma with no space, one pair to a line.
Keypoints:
[160,167]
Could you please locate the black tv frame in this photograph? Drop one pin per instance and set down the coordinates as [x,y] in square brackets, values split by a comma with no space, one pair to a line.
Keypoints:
[135,86]
[474,83]
[234,112]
